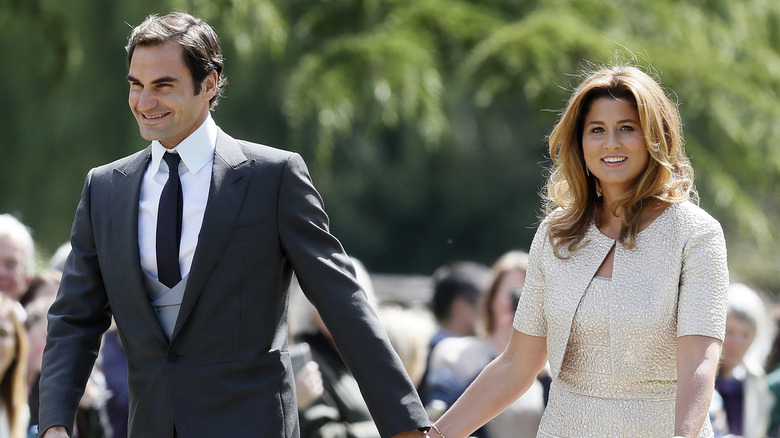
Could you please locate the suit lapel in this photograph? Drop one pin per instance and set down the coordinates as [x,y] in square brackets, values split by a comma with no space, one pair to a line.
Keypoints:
[229,180]
[126,188]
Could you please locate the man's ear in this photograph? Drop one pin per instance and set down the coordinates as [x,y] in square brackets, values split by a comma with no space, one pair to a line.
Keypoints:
[209,84]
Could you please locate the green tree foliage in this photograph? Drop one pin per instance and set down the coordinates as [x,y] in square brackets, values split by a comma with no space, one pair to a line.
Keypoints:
[423,122]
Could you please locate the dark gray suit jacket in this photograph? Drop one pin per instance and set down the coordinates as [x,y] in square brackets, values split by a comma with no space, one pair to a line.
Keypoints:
[226,370]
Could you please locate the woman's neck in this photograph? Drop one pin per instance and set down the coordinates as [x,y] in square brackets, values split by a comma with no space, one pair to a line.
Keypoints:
[607,222]
[610,223]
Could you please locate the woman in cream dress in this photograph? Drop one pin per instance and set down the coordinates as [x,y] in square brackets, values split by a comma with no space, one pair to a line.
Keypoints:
[627,281]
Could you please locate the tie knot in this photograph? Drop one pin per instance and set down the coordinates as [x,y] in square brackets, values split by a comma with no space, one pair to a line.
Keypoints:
[172,160]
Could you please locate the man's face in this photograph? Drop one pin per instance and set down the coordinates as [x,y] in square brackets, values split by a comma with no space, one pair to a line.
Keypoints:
[13,272]
[162,94]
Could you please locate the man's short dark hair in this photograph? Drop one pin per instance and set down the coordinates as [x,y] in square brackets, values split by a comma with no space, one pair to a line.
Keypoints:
[458,279]
[202,52]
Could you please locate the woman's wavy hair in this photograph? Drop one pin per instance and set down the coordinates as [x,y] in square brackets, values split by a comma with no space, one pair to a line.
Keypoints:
[13,385]
[668,177]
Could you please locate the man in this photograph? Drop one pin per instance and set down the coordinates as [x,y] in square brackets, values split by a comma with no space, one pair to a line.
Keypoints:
[17,252]
[206,339]
[457,288]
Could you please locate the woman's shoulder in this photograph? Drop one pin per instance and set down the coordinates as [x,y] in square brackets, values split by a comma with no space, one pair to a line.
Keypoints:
[691,216]
[557,212]
[551,216]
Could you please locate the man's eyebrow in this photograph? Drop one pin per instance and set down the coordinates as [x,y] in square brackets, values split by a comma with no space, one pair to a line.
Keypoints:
[162,80]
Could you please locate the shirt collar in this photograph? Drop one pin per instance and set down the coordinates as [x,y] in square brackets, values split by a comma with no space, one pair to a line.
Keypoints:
[195,151]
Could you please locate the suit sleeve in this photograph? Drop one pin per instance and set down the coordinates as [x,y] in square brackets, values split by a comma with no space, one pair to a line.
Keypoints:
[327,277]
[77,319]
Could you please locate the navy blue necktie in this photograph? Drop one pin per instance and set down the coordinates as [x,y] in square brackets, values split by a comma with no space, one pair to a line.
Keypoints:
[169,225]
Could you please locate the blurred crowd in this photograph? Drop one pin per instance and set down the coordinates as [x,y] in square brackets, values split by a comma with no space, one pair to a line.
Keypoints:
[443,345]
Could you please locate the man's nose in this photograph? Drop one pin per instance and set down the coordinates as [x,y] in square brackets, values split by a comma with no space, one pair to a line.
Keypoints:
[146,99]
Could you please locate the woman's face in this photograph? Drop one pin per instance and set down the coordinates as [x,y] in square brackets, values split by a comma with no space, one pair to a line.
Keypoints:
[7,343]
[739,336]
[613,145]
[502,304]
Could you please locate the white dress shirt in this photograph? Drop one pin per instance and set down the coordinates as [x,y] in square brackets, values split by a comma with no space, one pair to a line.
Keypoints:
[197,161]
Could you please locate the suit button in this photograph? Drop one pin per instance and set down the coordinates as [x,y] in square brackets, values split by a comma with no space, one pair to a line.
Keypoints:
[173,357]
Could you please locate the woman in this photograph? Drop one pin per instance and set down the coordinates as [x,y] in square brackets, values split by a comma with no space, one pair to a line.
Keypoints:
[626,284]
[14,414]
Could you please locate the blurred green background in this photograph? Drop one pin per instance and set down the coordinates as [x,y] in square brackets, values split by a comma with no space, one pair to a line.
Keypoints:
[423,121]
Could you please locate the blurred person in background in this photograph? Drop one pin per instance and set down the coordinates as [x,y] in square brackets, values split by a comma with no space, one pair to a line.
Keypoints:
[45,282]
[456,361]
[57,260]
[113,364]
[17,257]
[35,326]
[457,290]
[455,304]
[772,368]
[410,332]
[741,381]
[335,407]
[14,412]
[91,417]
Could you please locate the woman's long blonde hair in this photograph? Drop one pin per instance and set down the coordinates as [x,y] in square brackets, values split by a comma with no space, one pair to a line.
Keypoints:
[668,177]
[13,386]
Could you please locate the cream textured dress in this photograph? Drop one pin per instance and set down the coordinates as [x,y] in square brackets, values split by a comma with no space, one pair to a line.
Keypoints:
[612,342]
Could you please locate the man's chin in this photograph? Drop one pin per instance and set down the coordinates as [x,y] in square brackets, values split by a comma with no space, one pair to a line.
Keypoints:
[149,135]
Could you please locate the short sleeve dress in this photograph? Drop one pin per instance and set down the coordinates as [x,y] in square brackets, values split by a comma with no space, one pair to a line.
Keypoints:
[612,341]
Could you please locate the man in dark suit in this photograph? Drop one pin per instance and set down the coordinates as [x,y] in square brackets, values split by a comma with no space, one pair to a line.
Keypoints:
[206,339]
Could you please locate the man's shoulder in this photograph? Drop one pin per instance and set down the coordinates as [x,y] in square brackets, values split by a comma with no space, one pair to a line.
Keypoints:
[259,150]
[256,151]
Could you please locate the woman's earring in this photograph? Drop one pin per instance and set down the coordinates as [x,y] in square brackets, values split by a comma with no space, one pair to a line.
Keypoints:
[587,171]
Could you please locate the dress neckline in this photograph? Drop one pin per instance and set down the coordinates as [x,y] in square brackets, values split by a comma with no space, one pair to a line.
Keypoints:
[648,228]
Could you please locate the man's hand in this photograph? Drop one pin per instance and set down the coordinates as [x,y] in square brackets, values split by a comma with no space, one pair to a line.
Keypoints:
[416,433]
[56,432]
